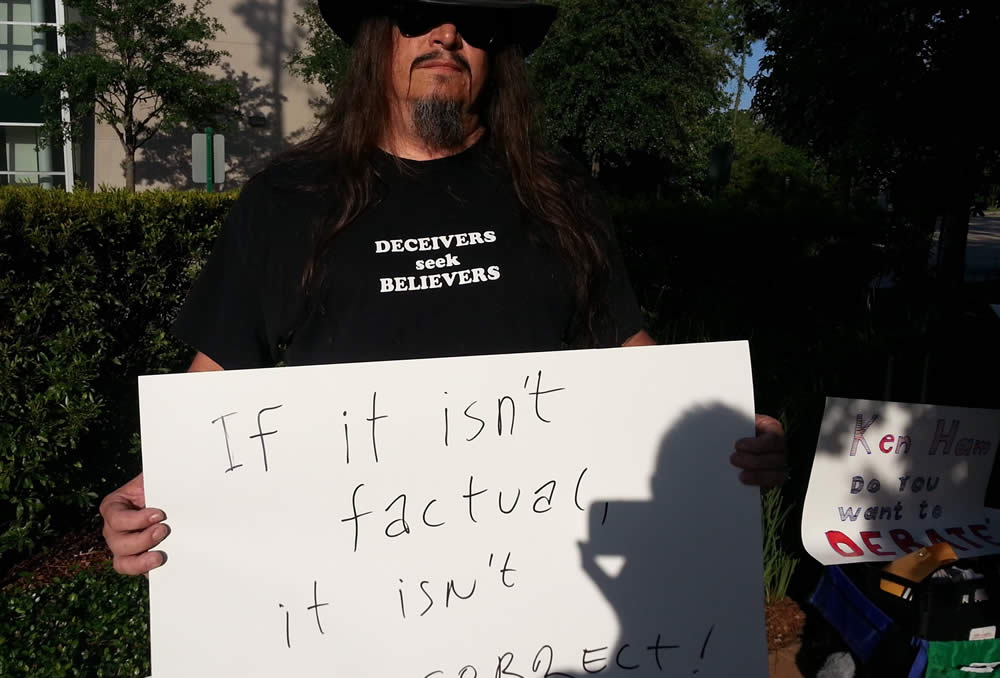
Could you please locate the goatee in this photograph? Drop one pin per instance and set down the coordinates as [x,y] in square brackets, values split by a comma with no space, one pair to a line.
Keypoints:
[438,122]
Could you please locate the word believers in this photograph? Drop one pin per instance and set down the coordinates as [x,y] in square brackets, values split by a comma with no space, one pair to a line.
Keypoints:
[889,478]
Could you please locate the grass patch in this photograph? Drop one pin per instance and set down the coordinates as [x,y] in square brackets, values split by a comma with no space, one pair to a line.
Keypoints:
[779,565]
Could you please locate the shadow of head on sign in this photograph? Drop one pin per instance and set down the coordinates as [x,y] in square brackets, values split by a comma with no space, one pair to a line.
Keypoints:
[662,564]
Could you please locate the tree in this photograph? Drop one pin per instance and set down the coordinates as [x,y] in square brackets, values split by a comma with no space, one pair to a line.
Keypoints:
[769,173]
[136,65]
[636,82]
[887,93]
[323,59]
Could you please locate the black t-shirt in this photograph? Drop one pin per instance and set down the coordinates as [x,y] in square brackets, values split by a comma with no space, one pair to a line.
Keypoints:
[444,263]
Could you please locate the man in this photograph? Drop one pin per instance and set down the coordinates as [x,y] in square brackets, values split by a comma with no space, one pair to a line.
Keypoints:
[422,219]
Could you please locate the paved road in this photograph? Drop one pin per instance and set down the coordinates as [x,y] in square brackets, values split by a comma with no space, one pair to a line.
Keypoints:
[982,253]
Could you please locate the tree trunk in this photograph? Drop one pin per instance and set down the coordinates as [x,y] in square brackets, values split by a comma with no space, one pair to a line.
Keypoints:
[951,246]
[130,170]
[739,87]
[959,172]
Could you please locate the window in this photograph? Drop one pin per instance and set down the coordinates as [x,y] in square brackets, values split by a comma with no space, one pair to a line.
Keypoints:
[19,38]
[21,161]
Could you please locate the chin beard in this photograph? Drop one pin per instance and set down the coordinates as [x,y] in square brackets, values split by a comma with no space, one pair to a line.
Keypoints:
[438,122]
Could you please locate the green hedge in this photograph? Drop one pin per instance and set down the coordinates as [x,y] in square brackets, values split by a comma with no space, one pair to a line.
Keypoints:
[92,623]
[89,283]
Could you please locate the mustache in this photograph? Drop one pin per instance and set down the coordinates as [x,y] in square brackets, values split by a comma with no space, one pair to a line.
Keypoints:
[458,59]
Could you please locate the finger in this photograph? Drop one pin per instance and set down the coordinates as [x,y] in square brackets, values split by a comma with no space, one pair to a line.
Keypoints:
[759,462]
[134,490]
[139,564]
[766,443]
[134,543]
[764,424]
[770,437]
[764,479]
[122,516]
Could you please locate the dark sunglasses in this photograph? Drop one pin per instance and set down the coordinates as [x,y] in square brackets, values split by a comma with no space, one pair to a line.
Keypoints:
[479,27]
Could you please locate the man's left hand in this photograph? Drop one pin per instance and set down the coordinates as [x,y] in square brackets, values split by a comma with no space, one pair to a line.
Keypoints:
[764,458]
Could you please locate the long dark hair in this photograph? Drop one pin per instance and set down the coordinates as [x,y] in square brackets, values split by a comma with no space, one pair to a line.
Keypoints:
[553,190]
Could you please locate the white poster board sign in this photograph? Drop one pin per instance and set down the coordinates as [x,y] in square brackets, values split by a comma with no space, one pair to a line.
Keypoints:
[890,477]
[551,514]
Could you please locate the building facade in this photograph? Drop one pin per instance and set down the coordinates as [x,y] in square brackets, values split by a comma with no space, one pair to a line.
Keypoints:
[21,160]
[259,35]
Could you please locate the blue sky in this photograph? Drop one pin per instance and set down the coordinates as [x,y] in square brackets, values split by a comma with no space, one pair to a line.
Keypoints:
[753,63]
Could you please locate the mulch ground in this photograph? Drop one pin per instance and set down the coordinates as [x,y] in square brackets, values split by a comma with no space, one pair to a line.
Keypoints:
[784,620]
[82,549]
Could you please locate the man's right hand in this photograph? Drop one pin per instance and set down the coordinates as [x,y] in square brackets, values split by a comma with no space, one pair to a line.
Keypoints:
[131,529]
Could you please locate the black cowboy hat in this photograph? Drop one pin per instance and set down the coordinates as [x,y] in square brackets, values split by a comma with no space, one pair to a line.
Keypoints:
[528,22]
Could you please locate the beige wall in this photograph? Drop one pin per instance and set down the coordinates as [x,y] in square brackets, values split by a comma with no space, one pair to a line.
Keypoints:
[259,35]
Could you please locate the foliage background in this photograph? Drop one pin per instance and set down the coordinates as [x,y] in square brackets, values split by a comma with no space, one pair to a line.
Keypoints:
[88,624]
[89,284]
[629,88]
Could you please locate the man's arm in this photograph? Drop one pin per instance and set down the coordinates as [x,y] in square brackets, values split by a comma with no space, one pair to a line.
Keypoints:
[131,528]
[202,363]
[640,338]
[764,458]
